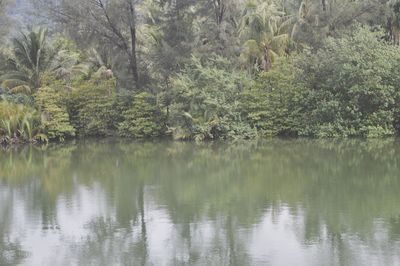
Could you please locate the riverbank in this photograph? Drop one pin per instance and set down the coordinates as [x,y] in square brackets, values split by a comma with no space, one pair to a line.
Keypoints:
[232,142]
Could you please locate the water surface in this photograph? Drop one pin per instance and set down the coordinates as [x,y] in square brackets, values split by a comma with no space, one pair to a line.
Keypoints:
[275,202]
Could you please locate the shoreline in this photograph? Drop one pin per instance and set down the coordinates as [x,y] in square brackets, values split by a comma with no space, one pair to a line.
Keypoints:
[100,140]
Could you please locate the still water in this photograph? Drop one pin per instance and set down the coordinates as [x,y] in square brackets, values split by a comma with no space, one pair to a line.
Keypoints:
[275,202]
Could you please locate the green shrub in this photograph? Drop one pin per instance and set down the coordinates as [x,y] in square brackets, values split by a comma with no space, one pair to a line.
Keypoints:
[143,119]
[352,85]
[18,98]
[273,103]
[17,122]
[91,105]
[55,121]
[347,88]
[205,102]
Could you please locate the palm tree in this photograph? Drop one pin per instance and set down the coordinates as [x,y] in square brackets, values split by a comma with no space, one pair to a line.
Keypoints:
[101,62]
[31,58]
[264,29]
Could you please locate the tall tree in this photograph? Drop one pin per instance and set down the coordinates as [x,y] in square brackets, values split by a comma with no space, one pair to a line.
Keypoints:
[4,20]
[216,27]
[112,23]
[3,5]
[263,28]
[31,58]
[171,36]
[318,19]
[393,24]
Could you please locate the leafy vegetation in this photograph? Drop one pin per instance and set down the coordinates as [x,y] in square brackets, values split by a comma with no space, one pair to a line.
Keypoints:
[17,123]
[143,119]
[31,57]
[54,117]
[205,70]
[91,106]
[206,100]
[352,86]
[346,88]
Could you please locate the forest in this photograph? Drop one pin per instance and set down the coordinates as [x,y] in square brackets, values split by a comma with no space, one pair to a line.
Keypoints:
[199,69]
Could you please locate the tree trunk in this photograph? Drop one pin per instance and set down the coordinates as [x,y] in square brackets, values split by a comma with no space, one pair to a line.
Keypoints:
[133,59]
[143,224]
[323,5]
[219,8]
[267,60]
[393,31]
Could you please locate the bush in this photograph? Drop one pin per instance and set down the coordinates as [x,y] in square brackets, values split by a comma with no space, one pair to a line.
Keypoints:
[347,88]
[205,102]
[18,98]
[91,105]
[273,104]
[55,121]
[352,86]
[143,119]
[17,122]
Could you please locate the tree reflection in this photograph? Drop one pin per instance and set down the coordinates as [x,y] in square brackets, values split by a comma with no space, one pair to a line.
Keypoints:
[11,252]
[334,189]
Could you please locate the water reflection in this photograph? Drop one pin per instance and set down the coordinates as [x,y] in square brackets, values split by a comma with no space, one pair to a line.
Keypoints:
[274,202]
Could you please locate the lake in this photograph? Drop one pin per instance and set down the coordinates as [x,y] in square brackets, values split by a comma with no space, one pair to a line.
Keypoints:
[271,202]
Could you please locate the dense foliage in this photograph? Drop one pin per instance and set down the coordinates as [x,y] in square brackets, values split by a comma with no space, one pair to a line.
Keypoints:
[17,122]
[348,87]
[352,85]
[205,102]
[202,70]
[143,119]
[91,105]
[54,119]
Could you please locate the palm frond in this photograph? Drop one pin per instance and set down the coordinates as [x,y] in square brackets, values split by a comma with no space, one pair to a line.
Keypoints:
[12,83]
